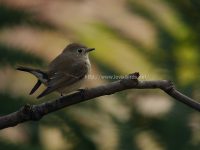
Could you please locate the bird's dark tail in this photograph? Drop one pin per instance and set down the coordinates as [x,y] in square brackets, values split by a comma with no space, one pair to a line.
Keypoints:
[26,69]
[36,86]
[40,75]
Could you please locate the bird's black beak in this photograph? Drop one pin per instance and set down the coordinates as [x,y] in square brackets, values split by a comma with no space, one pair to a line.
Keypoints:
[90,49]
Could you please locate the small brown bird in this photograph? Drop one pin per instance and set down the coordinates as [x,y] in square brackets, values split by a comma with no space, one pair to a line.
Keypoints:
[65,73]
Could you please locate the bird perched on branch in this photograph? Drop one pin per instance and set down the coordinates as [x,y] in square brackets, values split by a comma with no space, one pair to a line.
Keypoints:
[65,73]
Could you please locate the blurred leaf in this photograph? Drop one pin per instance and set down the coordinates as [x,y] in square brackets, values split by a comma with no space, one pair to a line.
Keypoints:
[13,56]
[127,132]
[11,17]
[10,103]
[82,140]
[10,146]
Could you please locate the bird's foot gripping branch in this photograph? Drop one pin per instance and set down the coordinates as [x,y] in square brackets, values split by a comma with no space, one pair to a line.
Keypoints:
[36,112]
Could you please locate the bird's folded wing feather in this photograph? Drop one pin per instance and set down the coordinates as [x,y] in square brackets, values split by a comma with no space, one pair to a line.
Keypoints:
[59,79]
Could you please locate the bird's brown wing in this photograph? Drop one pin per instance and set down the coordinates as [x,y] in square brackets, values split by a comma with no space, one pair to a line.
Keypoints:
[59,79]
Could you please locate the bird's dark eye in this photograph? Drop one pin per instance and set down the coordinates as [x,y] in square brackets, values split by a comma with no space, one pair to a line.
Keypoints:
[80,50]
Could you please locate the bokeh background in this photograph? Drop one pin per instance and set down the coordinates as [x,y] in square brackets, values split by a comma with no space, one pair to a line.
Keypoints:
[158,38]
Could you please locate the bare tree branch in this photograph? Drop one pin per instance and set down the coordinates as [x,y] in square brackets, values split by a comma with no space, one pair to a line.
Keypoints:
[36,112]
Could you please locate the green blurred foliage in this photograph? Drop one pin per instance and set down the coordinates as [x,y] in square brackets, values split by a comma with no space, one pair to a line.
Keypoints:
[10,103]
[177,51]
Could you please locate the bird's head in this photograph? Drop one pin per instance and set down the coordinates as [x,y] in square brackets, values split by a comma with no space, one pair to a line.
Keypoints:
[77,50]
